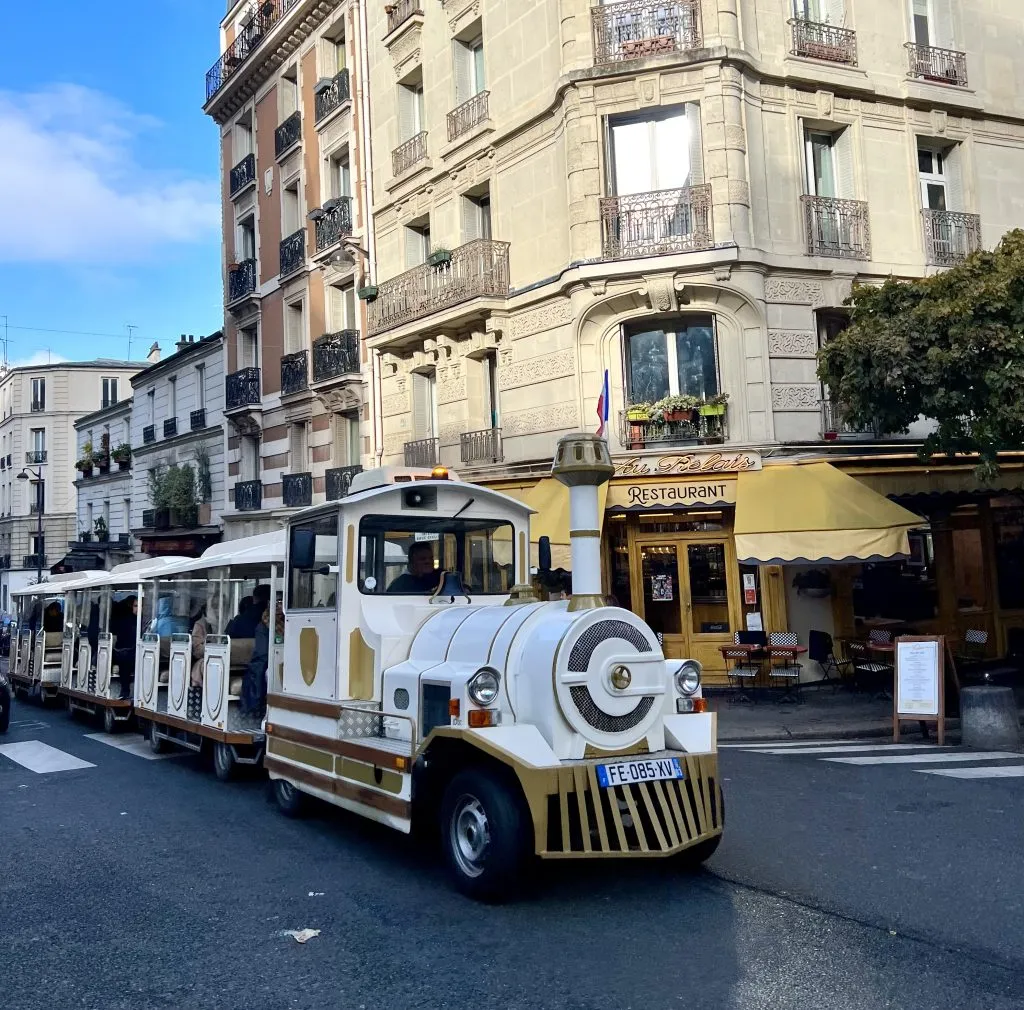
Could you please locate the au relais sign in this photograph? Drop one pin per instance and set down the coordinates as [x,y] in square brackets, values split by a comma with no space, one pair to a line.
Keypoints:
[690,464]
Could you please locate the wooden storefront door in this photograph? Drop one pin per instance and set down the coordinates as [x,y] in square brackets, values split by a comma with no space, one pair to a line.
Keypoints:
[686,588]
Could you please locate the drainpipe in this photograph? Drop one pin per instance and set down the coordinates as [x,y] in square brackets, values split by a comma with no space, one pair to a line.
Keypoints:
[583,463]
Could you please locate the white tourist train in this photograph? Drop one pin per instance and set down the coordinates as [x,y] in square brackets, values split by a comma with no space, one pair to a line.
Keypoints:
[413,677]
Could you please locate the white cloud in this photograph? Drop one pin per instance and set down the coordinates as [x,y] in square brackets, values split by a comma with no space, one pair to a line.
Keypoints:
[72,190]
[38,358]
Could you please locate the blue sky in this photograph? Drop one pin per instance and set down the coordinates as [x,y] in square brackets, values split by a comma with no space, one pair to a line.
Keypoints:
[108,178]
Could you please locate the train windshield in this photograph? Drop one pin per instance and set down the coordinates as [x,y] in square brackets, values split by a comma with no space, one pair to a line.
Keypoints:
[406,555]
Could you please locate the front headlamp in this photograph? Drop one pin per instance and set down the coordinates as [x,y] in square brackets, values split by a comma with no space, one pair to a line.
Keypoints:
[483,688]
[688,677]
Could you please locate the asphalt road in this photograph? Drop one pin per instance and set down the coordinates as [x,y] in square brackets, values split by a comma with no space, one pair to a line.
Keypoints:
[149,884]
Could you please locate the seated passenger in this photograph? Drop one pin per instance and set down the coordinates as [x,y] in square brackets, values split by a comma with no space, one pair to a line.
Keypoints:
[123,628]
[421,577]
[166,623]
[53,619]
[254,680]
[199,629]
[243,606]
[245,622]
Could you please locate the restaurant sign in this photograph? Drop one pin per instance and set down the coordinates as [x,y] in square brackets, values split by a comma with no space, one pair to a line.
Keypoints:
[675,494]
[690,464]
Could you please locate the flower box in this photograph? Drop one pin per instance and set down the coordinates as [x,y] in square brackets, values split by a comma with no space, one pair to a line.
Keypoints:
[638,414]
[711,409]
[439,257]
[367,293]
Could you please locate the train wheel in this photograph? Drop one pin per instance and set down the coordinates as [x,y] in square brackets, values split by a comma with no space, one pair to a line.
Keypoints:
[156,742]
[484,835]
[223,761]
[109,722]
[292,801]
[695,856]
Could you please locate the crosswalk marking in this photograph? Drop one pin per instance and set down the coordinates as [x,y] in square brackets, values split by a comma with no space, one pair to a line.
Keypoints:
[843,749]
[994,772]
[781,746]
[41,757]
[129,744]
[906,759]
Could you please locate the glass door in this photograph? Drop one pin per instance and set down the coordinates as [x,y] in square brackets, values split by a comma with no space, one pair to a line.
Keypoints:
[662,594]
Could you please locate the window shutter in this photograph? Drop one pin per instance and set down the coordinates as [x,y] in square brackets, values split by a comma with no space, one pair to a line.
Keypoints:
[835,13]
[696,143]
[462,57]
[942,25]
[406,113]
[479,75]
[843,152]
[921,27]
[349,322]
[422,409]
[470,219]
[952,171]
[413,247]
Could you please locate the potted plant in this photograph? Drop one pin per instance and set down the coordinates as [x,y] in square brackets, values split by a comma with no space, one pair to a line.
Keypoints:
[714,406]
[367,293]
[815,583]
[439,256]
[86,536]
[638,413]
[100,529]
[672,409]
[122,455]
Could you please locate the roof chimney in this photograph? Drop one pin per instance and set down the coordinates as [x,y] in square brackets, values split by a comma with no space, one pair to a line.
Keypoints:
[154,354]
[181,344]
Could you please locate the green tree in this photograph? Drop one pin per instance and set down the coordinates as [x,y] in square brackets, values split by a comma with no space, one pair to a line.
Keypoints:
[948,347]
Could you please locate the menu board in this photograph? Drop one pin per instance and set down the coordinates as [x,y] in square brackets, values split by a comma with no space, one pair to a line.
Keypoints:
[918,677]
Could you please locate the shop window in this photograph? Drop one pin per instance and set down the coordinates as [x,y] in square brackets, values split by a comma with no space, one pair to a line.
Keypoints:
[618,542]
[900,590]
[1009,534]
[709,588]
[677,357]
[751,606]
[969,568]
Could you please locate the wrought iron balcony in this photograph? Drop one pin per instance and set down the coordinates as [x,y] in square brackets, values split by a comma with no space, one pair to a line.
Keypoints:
[422,452]
[241,280]
[297,489]
[481,446]
[400,11]
[243,174]
[691,428]
[834,427]
[478,269]
[5,561]
[35,456]
[634,29]
[836,227]
[34,561]
[949,236]
[944,66]
[338,481]
[824,42]
[288,134]
[332,222]
[197,419]
[649,224]
[294,373]
[149,434]
[149,518]
[265,15]
[409,153]
[336,354]
[331,95]
[293,252]
[466,116]
[242,388]
[170,427]
[248,495]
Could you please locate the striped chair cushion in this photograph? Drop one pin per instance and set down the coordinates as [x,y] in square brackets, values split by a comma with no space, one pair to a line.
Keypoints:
[783,638]
[976,636]
[880,635]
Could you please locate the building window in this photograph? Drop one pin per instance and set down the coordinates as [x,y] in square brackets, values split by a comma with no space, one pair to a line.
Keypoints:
[294,328]
[346,439]
[243,137]
[939,174]
[410,110]
[38,544]
[38,395]
[822,12]
[288,93]
[200,386]
[109,392]
[417,243]
[299,447]
[172,397]
[151,406]
[656,153]
[250,457]
[469,69]
[248,348]
[476,215]
[931,23]
[39,443]
[829,164]
[341,308]
[424,404]
[491,400]
[291,220]
[678,357]
[339,177]
[246,240]
[127,514]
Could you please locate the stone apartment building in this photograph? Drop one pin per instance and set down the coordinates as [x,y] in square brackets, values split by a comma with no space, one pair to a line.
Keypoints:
[39,406]
[289,94]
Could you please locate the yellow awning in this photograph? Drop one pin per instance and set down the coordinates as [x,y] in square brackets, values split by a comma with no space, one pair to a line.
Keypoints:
[549,499]
[814,512]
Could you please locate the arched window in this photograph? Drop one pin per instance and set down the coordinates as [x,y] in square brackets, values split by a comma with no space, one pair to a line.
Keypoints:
[671,356]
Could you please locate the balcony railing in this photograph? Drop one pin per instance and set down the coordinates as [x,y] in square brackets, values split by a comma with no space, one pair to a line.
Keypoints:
[649,224]
[833,426]
[34,561]
[476,269]
[197,419]
[297,489]
[5,561]
[248,495]
[294,373]
[35,456]
[949,236]
[481,446]
[332,222]
[422,452]
[409,153]
[264,16]
[637,28]
[400,11]
[331,95]
[338,481]
[170,427]
[824,42]
[243,173]
[336,354]
[242,388]
[149,434]
[837,227]
[288,134]
[945,66]
[149,518]
[692,428]
[241,280]
[468,115]
[293,252]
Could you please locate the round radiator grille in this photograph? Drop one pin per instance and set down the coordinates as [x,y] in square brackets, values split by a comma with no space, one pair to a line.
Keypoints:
[601,720]
[579,658]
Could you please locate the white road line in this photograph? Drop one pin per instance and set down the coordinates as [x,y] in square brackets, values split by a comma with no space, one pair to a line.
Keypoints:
[994,772]
[909,759]
[42,758]
[130,743]
[773,744]
[848,749]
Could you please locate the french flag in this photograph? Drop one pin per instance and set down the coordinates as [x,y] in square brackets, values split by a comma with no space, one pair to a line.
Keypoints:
[602,406]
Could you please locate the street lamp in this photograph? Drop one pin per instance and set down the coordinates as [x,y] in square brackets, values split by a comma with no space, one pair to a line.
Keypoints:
[36,477]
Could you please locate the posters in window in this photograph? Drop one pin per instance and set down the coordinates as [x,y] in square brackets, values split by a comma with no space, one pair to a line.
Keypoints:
[661,588]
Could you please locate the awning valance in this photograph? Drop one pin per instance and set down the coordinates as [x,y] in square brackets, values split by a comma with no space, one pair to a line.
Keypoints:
[816,513]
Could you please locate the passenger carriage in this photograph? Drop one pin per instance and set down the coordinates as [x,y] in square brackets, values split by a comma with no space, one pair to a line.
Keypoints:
[424,683]
[189,680]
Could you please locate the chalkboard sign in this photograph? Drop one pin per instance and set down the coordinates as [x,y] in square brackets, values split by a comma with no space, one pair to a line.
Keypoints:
[920,682]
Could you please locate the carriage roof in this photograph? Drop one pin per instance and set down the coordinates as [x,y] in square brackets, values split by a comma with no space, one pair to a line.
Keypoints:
[56,585]
[262,549]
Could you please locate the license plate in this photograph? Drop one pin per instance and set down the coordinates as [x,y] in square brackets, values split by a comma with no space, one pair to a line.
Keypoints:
[627,773]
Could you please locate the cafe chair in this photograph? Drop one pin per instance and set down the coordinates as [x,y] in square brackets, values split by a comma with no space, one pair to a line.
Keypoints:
[972,649]
[787,670]
[821,650]
[880,635]
[868,672]
[752,638]
[742,670]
